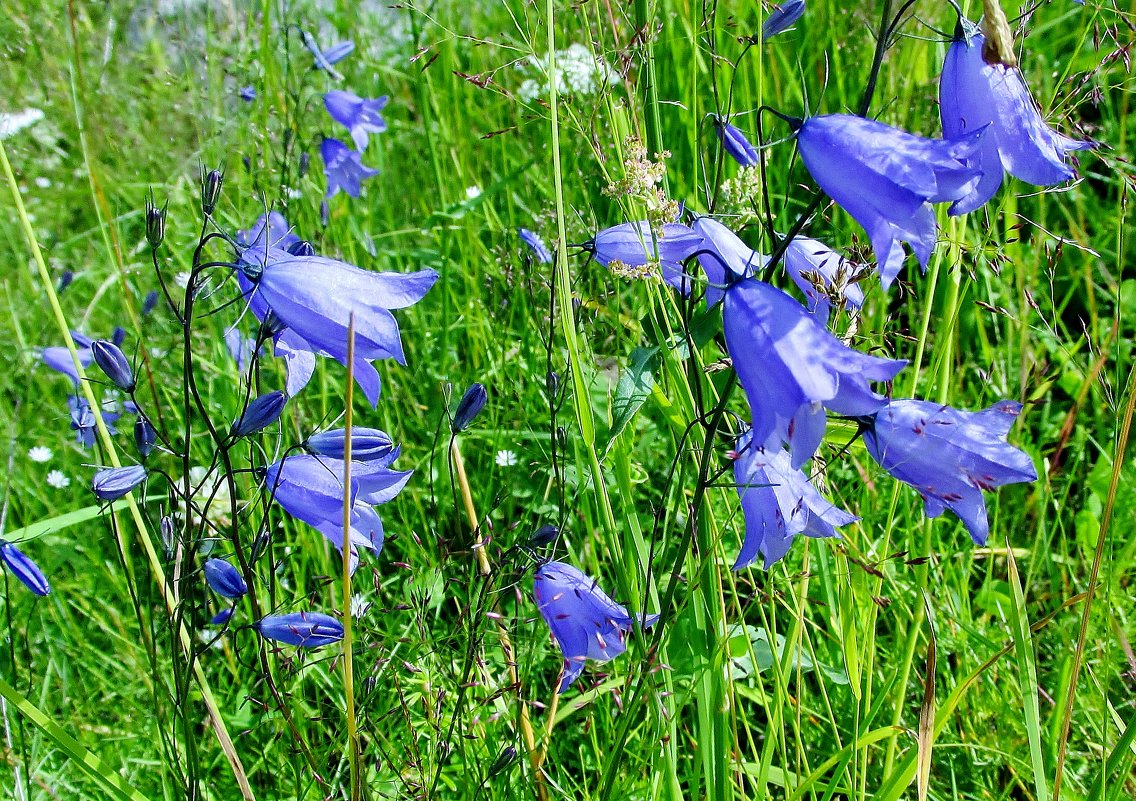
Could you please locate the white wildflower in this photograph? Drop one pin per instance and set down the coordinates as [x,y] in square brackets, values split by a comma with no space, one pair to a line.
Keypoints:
[40,454]
[578,72]
[506,458]
[57,479]
[472,192]
[43,183]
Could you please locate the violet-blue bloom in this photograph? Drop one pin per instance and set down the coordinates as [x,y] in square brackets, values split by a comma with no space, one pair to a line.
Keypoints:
[24,569]
[262,411]
[887,180]
[586,623]
[114,364]
[271,230]
[778,503]
[310,488]
[241,348]
[222,617]
[807,259]
[367,445]
[635,244]
[303,629]
[315,296]
[247,93]
[344,168]
[974,94]
[324,59]
[783,16]
[536,245]
[115,482]
[358,115]
[469,407]
[145,437]
[83,421]
[726,250]
[735,143]
[224,579]
[949,455]
[792,368]
[58,357]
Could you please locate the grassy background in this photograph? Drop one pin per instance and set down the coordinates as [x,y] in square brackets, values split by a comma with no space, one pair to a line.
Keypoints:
[806,681]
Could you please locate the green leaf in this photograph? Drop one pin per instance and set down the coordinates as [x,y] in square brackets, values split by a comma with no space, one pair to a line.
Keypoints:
[635,385]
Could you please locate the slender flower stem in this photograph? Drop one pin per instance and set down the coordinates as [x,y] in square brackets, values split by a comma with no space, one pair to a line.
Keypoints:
[348,500]
[215,719]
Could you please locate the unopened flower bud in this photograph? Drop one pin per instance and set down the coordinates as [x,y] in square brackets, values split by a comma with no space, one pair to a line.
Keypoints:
[225,579]
[115,482]
[301,247]
[367,445]
[112,361]
[504,761]
[303,629]
[471,404]
[24,569]
[155,223]
[263,411]
[544,535]
[210,189]
[144,436]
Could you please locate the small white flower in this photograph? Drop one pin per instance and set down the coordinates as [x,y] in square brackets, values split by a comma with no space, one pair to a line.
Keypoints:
[182,279]
[43,183]
[14,122]
[57,479]
[472,192]
[294,194]
[506,458]
[40,454]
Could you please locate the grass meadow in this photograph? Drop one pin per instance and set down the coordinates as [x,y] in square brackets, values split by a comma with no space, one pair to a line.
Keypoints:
[897,661]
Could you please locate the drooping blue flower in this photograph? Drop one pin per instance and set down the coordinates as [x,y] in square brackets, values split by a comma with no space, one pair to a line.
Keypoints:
[247,93]
[58,358]
[949,455]
[150,302]
[302,629]
[310,488]
[222,617]
[114,364]
[315,296]
[783,16]
[358,115]
[536,245]
[344,168]
[820,272]
[83,421]
[636,245]
[778,503]
[887,180]
[224,579]
[586,623]
[24,569]
[324,59]
[367,445]
[115,482]
[735,143]
[300,364]
[271,230]
[469,407]
[262,411]
[974,94]
[241,348]
[145,437]
[726,250]
[792,369]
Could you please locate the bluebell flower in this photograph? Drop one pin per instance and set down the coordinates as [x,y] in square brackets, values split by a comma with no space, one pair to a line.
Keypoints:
[636,245]
[24,569]
[262,411]
[145,437]
[303,629]
[115,482]
[222,617]
[974,94]
[367,445]
[949,455]
[585,622]
[778,503]
[300,365]
[344,168]
[150,302]
[725,250]
[241,348]
[83,421]
[314,296]
[358,115]
[783,16]
[735,143]
[887,180]
[310,488]
[792,369]
[469,407]
[271,230]
[536,245]
[820,272]
[58,357]
[224,579]
[247,93]
[324,59]
[114,364]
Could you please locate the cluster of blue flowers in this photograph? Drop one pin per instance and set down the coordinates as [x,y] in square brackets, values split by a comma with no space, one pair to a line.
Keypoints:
[792,369]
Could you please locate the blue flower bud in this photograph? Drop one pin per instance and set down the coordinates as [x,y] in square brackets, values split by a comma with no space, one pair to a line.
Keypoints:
[544,535]
[471,404]
[168,530]
[222,617]
[225,579]
[536,245]
[784,15]
[112,361]
[65,280]
[247,93]
[144,436]
[115,482]
[155,223]
[304,629]
[367,445]
[210,189]
[261,412]
[24,569]
[503,762]
[150,302]
[736,144]
[301,247]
